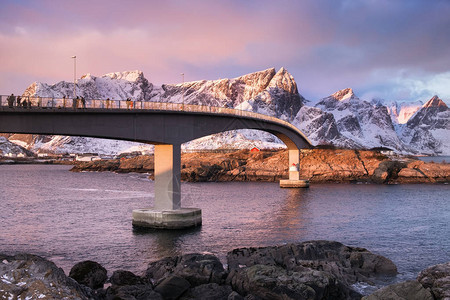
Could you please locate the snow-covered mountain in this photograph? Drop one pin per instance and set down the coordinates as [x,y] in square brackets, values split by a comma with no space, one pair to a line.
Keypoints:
[365,124]
[113,85]
[321,128]
[269,92]
[7,147]
[341,119]
[428,130]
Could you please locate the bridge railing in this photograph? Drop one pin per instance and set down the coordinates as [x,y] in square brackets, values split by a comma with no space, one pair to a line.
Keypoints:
[28,102]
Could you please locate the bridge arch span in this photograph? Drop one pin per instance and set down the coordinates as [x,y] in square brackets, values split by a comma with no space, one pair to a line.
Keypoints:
[148,126]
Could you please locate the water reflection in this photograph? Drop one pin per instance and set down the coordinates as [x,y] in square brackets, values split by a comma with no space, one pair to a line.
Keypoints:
[288,220]
[163,243]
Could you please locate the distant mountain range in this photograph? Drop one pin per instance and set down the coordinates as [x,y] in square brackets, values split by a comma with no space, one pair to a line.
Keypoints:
[341,119]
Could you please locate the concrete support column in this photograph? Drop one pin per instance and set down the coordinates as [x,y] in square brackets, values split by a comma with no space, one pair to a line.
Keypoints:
[294,180]
[167,177]
[294,159]
[167,212]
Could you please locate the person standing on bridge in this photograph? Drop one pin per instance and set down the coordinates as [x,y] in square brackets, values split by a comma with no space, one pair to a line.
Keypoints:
[75,103]
[108,103]
[83,102]
[11,100]
[129,104]
[19,101]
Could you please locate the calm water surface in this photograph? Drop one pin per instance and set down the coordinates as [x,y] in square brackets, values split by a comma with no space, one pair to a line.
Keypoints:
[436,159]
[69,217]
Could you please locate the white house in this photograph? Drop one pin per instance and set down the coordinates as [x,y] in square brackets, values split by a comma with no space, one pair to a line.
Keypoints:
[87,157]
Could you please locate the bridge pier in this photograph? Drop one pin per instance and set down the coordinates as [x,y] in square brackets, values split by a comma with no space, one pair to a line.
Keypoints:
[294,180]
[167,212]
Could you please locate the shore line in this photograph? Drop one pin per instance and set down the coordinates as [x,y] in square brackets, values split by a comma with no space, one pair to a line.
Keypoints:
[305,270]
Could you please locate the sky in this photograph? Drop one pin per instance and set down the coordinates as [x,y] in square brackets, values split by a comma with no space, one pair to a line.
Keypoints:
[390,49]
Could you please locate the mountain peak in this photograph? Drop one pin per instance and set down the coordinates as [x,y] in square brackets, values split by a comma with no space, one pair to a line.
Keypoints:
[131,76]
[284,80]
[343,94]
[263,77]
[31,89]
[435,102]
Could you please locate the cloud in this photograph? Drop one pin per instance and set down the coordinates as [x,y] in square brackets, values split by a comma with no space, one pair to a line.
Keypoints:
[407,85]
[425,86]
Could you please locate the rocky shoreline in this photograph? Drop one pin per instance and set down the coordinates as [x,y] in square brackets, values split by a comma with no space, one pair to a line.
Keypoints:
[307,270]
[317,166]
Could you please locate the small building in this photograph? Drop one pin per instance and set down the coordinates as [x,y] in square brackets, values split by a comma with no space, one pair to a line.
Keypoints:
[42,155]
[21,155]
[255,149]
[87,157]
[384,150]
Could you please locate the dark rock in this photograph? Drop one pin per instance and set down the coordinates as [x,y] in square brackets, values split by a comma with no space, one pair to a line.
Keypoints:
[235,296]
[26,276]
[196,268]
[437,278]
[210,291]
[274,282]
[132,292]
[252,297]
[89,273]
[348,264]
[387,171]
[122,277]
[172,287]
[207,173]
[96,166]
[408,290]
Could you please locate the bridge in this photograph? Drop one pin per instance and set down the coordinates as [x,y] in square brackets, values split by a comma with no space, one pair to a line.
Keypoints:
[166,125]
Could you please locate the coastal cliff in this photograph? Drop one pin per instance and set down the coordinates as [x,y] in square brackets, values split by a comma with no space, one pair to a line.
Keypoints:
[318,166]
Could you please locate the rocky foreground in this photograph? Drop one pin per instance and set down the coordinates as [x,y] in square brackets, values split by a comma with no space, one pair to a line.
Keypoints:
[308,270]
[318,166]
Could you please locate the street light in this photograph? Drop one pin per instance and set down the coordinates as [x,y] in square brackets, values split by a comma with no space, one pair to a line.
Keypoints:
[74,75]
[182,92]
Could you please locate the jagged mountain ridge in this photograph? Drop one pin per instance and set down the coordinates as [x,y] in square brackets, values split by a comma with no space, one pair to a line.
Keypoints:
[321,128]
[119,85]
[429,128]
[367,125]
[342,119]
[270,92]
[274,92]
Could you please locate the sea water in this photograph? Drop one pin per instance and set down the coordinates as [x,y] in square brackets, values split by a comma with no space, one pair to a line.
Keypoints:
[70,217]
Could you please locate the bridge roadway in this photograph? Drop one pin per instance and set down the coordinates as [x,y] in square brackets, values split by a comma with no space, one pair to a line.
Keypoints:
[166,125]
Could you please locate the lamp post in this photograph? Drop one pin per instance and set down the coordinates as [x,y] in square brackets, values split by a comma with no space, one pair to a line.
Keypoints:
[182,91]
[74,75]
